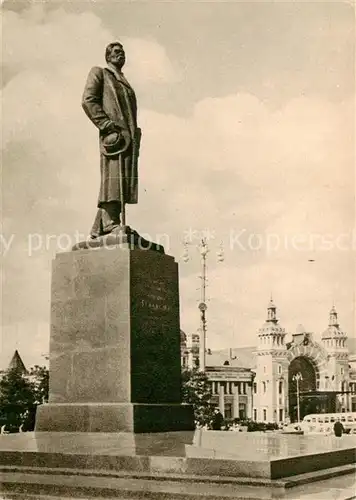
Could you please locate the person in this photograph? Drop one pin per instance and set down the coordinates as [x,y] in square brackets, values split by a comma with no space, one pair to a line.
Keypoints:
[110,103]
[338,428]
[217,421]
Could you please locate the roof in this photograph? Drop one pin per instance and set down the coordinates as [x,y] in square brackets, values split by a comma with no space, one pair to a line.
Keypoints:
[16,363]
[28,359]
[242,357]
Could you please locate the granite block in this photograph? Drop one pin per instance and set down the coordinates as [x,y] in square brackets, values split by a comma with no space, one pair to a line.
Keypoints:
[114,417]
[229,468]
[312,462]
[115,343]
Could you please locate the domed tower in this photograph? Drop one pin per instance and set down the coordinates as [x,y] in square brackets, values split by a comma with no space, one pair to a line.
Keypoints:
[271,334]
[271,371]
[334,341]
[333,338]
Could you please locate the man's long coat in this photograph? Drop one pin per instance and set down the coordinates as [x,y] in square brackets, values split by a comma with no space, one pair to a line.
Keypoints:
[109,101]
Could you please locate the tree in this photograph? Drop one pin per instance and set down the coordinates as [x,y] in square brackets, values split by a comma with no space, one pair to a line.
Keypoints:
[196,390]
[40,380]
[20,394]
[16,399]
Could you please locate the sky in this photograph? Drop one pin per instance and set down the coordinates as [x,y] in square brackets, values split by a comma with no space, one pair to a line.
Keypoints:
[247,111]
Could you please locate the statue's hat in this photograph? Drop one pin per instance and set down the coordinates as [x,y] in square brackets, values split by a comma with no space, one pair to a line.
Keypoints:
[114,143]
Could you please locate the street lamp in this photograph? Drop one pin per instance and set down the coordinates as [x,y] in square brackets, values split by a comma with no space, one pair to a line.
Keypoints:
[297,378]
[203,250]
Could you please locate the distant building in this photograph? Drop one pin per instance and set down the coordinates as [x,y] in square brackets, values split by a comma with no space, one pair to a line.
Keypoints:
[261,382]
[16,363]
[231,378]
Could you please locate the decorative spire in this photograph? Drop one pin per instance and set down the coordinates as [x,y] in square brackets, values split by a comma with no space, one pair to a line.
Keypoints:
[271,312]
[333,321]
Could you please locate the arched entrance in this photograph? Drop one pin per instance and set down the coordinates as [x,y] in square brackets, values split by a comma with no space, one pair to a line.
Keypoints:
[307,384]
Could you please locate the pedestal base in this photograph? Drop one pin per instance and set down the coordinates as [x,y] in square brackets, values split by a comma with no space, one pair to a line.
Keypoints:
[114,417]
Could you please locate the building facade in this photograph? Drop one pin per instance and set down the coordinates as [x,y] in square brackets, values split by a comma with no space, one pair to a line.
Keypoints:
[279,381]
[231,384]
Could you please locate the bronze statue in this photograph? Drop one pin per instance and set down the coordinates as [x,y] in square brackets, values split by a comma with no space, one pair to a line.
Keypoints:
[110,103]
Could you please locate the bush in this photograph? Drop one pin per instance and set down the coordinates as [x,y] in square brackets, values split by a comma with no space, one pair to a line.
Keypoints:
[261,426]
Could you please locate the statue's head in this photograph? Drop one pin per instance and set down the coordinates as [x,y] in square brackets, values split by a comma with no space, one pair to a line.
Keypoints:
[115,54]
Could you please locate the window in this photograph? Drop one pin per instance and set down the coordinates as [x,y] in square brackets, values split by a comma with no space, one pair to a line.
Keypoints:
[242,411]
[342,371]
[254,388]
[264,369]
[279,369]
[264,415]
[228,410]
[255,414]
[281,414]
[280,387]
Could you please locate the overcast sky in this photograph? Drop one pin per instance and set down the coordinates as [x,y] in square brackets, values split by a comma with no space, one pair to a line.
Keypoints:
[247,111]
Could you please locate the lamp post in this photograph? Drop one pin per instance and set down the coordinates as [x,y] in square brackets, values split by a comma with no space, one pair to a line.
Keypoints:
[203,250]
[297,378]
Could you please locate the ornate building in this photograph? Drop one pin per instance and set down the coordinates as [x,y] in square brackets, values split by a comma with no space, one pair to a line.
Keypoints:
[276,379]
[317,376]
[231,383]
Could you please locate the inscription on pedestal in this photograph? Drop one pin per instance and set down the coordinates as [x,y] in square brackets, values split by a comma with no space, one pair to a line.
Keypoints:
[158,296]
[155,347]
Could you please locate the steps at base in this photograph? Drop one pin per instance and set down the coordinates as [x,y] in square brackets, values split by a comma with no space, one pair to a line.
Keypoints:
[62,483]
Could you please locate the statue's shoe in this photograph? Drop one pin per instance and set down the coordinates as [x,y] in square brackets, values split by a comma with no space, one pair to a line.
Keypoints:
[119,235]
[112,228]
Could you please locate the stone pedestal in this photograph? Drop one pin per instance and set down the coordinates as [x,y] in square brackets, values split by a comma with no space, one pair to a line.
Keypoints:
[115,344]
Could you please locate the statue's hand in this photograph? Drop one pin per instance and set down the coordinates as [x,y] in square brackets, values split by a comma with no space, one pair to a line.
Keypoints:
[110,128]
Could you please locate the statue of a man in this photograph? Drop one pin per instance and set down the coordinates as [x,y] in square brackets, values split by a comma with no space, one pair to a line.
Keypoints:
[110,103]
